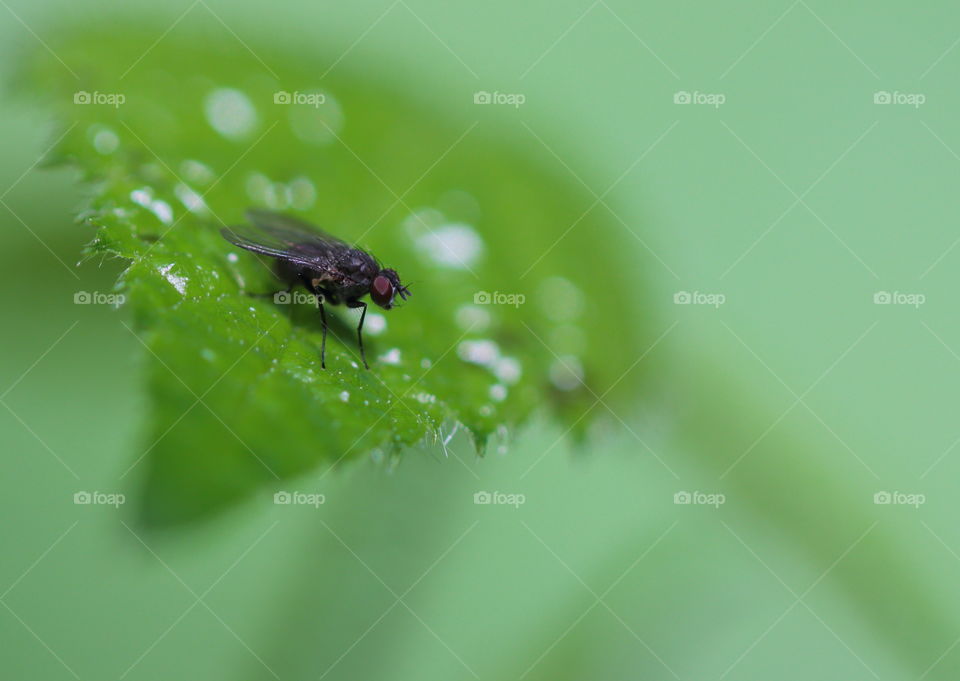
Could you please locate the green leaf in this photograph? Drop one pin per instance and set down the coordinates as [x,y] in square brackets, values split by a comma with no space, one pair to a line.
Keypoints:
[178,142]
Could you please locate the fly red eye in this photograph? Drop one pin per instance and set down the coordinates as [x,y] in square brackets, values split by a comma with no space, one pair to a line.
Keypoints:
[381,291]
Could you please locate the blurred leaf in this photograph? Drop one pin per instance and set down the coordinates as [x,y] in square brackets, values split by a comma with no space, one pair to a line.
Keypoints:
[179,141]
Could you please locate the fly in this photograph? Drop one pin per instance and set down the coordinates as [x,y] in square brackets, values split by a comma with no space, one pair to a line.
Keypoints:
[332,270]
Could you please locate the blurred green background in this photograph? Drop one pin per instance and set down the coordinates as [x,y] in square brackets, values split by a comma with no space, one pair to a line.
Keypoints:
[798,199]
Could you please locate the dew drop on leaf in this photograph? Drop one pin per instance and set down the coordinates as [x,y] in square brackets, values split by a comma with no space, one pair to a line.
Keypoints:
[457,246]
[375,324]
[566,373]
[473,318]
[105,140]
[178,282]
[190,199]
[482,352]
[196,172]
[162,210]
[508,370]
[392,356]
[560,299]
[230,112]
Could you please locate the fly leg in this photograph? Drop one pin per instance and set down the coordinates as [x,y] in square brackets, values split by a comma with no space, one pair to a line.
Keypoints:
[360,303]
[319,294]
[323,321]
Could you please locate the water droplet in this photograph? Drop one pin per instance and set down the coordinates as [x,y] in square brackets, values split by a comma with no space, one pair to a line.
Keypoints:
[392,356]
[473,318]
[142,197]
[190,199]
[230,112]
[374,324]
[566,373]
[162,210]
[105,140]
[455,245]
[503,438]
[560,299]
[196,172]
[232,257]
[344,396]
[498,392]
[277,196]
[257,186]
[508,370]
[302,193]
[421,221]
[178,282]
[482,352]
[317,125]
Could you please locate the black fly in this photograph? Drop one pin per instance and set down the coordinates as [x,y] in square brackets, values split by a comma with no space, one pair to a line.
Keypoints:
[330,269]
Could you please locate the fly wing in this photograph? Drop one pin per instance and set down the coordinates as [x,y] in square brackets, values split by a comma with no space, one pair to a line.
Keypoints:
[281,236]
[294,231]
